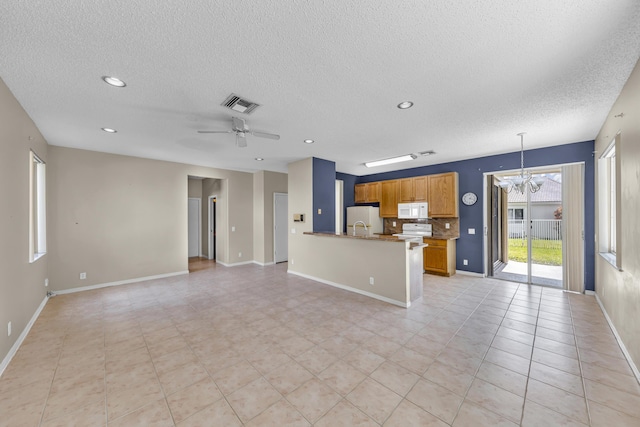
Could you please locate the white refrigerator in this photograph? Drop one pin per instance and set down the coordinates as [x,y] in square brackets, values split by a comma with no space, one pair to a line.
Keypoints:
[369,215]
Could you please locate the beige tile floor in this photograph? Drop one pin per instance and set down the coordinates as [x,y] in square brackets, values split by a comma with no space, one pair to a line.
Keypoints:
[256,346]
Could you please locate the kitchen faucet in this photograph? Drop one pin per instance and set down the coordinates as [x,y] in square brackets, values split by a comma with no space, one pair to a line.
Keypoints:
[356,223]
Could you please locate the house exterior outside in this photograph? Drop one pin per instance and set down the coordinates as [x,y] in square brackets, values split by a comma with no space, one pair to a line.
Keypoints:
[546,211]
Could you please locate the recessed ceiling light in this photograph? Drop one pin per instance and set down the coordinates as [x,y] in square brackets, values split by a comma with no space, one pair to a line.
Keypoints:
[404,105]
[309,141]
[398,159]
[114,81]
[109,130]
[259,159]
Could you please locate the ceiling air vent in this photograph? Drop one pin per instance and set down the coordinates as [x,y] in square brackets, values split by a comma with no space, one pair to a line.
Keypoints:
[235,103]
[427,153]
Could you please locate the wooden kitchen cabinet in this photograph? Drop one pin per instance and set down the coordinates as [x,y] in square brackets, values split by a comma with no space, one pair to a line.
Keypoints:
[360,193]
[443,195]
[413,189]
[373,192]
[439,256]
[389,199]
[367,193]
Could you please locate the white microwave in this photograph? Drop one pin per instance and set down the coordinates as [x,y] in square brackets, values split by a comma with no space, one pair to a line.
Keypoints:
[413,210]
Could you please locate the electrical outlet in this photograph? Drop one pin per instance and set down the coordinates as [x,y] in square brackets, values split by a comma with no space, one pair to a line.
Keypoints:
[319,211]
[472,231]
[239,254]
[371,281]
[293,231]
[292,262]
[83,276]
[9,329]
[465,262]
[394,223]
[233,228]
[46,282]
[447,225]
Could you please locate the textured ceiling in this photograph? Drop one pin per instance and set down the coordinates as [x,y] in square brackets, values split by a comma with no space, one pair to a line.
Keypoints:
[478,72]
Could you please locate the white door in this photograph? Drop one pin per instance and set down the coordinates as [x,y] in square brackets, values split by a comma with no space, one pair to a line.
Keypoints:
[194,227]
[280,236]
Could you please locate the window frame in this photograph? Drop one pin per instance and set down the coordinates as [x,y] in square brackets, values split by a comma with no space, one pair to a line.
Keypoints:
[37,207]
[609,203]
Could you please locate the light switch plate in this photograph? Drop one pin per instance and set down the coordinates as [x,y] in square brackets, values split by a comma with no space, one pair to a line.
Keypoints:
[472,231]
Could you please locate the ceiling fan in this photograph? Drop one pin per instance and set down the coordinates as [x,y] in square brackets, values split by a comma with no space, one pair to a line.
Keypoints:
[241,129]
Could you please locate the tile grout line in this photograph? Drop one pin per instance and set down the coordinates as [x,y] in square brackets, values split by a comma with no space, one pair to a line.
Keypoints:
[582,378]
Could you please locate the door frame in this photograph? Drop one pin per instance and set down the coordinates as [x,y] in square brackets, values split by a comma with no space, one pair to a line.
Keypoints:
[212,223]
[199,225]
[486,207]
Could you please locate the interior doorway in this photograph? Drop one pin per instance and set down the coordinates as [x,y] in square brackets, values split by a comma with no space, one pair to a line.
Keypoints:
[525,240]
[193,232]
[212,226]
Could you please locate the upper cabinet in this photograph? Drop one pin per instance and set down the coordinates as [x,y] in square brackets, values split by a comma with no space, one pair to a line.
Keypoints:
[367,193]
[443,195]
[440,191]
[413,189]
[389,199]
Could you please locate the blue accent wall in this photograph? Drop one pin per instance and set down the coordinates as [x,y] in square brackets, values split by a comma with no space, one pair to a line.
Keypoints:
[470,175]
[348,194]
[324,195]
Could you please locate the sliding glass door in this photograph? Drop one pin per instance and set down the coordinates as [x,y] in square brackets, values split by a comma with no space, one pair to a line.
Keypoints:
[526,245]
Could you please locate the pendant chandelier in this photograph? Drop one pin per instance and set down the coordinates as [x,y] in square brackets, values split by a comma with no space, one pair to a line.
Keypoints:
[525,181]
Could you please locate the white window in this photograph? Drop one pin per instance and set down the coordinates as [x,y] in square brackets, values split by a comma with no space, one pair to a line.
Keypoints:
[516,213]
[608,204]
[37,208]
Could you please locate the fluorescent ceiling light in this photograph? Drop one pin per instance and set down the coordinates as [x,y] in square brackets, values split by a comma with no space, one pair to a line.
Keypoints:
[109,130]
[404,105]
[392,160]
[259,159]
[114,81]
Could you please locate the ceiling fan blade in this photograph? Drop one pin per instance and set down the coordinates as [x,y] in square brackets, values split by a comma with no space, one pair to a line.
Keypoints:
[214,131]
[265,135]
[241,141]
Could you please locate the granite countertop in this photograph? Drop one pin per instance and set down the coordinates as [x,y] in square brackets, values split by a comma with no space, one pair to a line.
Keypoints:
[386,237]
[378,237]
[382,235]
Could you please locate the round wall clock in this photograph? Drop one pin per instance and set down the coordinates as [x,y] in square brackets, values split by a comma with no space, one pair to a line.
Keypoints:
[469,198]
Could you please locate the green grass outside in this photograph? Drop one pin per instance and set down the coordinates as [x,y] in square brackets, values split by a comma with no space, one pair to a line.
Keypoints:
[545,252]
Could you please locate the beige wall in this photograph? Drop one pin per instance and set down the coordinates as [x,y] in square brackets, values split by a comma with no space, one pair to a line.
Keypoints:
[619,291]
[265,184]
[300,189]
[194,189]
[120,218]
[21,283]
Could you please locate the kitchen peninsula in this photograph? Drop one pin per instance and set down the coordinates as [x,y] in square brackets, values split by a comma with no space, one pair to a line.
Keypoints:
[381,267]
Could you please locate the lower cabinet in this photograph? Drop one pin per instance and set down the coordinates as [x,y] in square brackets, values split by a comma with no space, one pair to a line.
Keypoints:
[440,256]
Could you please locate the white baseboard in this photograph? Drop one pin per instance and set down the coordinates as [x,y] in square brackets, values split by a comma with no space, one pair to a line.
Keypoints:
[120,282]
[264,264]
[235,264]
[469,273]
[23,335]
[350,289]
[633,366]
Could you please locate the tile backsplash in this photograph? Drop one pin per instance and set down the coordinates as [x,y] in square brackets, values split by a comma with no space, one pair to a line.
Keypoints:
[439,226]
